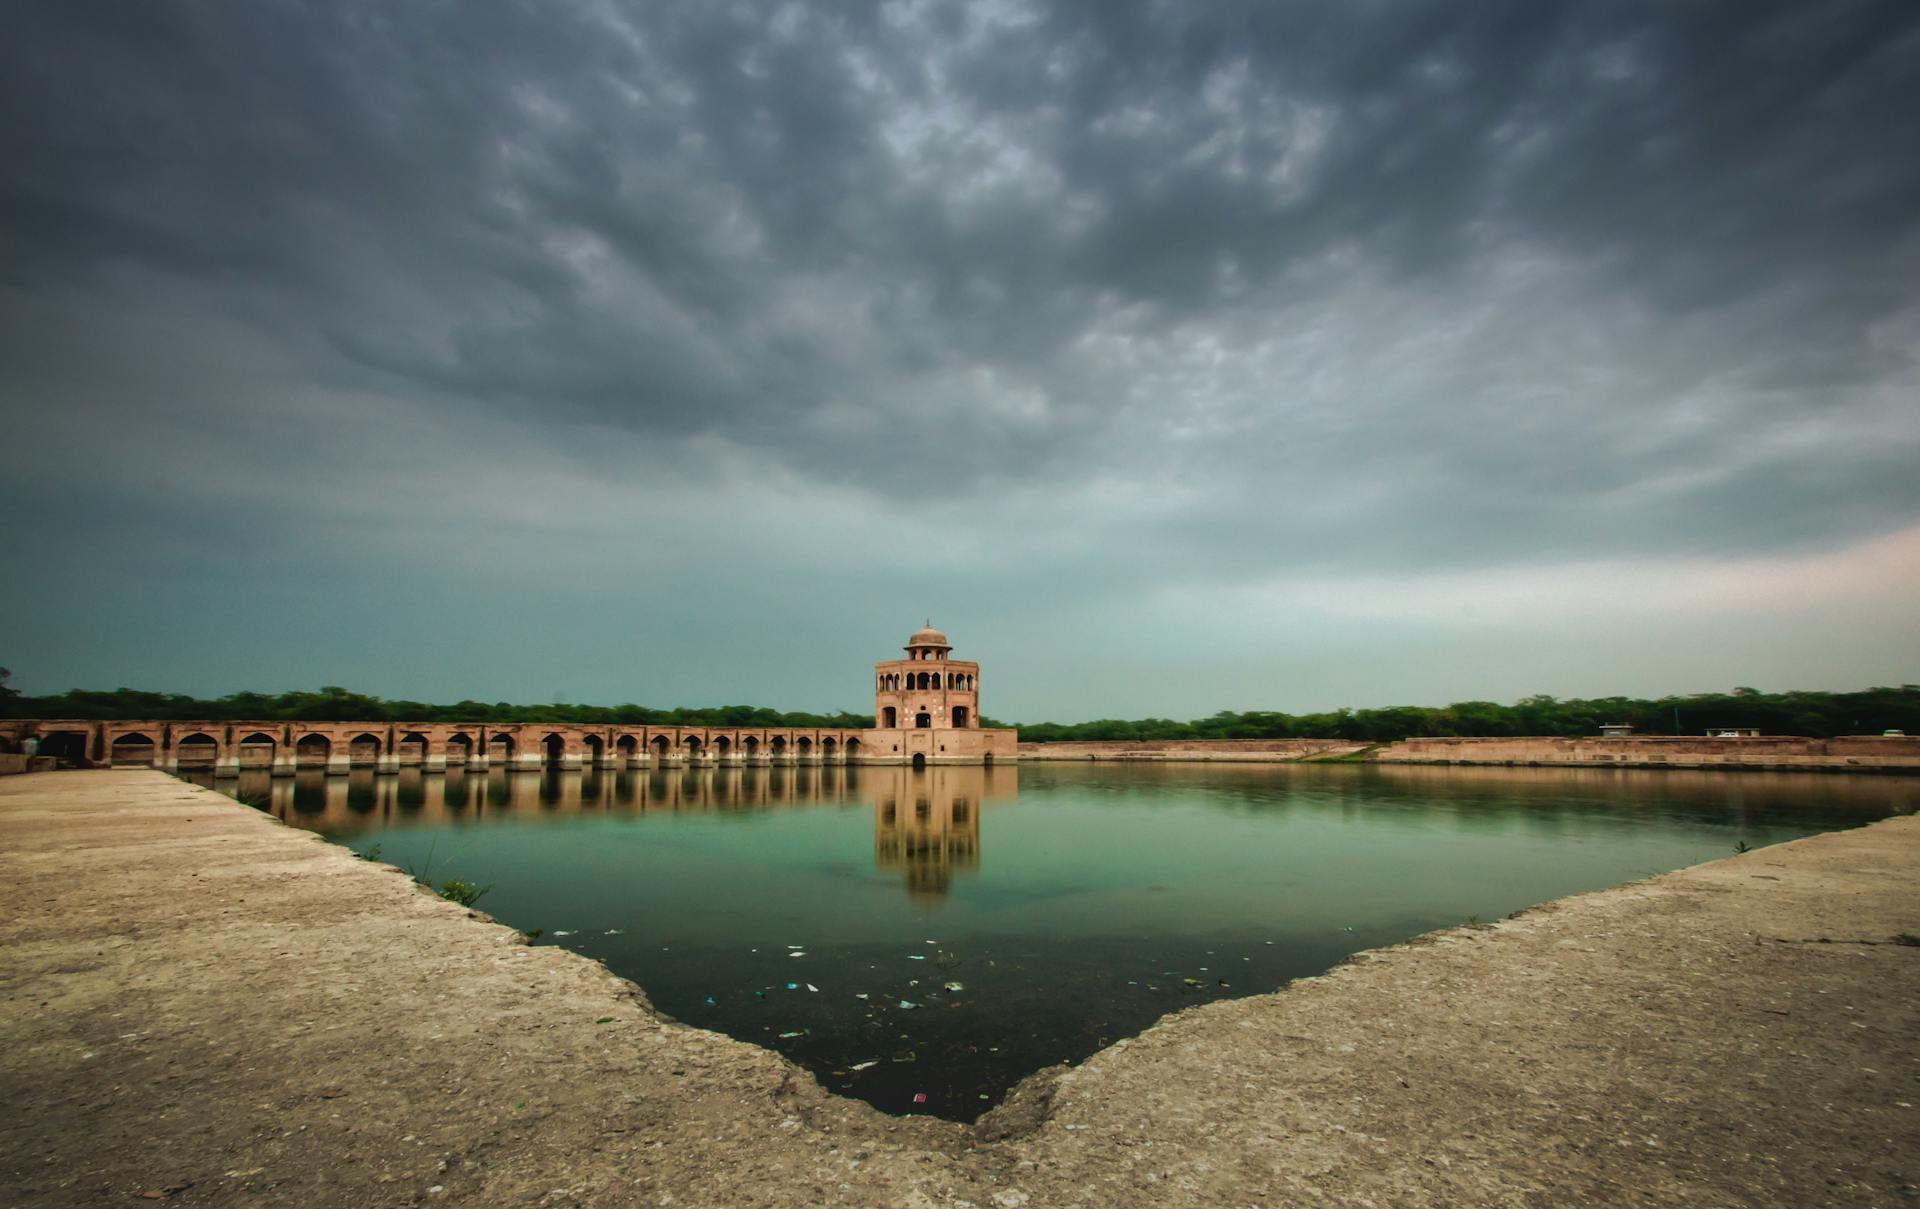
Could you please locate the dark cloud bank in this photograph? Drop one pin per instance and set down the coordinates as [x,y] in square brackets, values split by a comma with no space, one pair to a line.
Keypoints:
[1107,295]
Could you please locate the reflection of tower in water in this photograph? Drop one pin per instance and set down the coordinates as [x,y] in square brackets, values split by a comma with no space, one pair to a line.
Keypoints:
[926,823]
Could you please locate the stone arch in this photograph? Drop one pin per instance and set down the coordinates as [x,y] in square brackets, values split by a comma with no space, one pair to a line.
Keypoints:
[627,746]
[662,747]
[923,720]
[500,748]
[693,745]
[416,740]
[889,718]
[197,750]
[752,744]
[459,747]
[779,745]
[363,749]
[312,751]
[553,748]
[132,749]
[853,748]
[959,715]
[256,750]
[919,759]
[595,745]
[828,747]
[805,745]
[723,747]
[67,747]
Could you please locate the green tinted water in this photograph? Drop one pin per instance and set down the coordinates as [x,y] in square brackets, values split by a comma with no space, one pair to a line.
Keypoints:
[824,911]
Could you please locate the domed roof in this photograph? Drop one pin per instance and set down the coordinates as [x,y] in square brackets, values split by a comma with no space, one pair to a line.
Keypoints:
[927,637]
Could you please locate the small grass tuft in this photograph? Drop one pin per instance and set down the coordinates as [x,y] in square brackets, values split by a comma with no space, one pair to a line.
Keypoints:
[466,893]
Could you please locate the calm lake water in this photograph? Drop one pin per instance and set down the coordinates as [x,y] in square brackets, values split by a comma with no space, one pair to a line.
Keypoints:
[924,939]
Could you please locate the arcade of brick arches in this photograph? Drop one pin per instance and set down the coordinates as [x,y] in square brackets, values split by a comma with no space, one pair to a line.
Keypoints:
[926,711]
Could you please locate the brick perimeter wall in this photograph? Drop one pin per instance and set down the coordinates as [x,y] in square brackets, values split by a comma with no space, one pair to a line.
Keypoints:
[1842,754]
[1244,750]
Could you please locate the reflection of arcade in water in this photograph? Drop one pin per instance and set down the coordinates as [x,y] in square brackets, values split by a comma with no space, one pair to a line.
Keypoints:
[926,821]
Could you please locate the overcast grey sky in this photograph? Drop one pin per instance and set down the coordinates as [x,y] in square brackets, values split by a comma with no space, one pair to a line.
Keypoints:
[1171,356]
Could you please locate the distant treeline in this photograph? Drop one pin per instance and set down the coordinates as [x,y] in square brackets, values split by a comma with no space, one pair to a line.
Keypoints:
[1816,714]
[334,704]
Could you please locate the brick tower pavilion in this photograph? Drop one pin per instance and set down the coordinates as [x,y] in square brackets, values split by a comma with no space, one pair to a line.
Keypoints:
[926,708]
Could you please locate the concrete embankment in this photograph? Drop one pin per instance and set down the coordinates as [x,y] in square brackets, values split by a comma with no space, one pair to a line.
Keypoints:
[206,1006]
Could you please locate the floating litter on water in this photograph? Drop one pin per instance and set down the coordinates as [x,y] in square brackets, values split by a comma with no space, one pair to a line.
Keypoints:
[613,931]
[795,1033]
[709,999]
[1348,928]
[933,942]
[919,1097]
[859,994]
[954,986]
[803,952]
[796,946]
[906,1006]
[813,988]
[793,986]
[557,932]
[864,1065]
[923,956]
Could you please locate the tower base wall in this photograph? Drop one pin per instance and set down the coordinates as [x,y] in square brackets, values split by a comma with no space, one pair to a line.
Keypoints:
[939,745]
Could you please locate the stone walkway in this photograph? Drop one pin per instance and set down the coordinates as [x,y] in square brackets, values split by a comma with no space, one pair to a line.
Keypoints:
[202,1006]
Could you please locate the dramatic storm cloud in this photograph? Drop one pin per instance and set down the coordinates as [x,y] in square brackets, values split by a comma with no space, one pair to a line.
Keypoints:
[1172,356]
